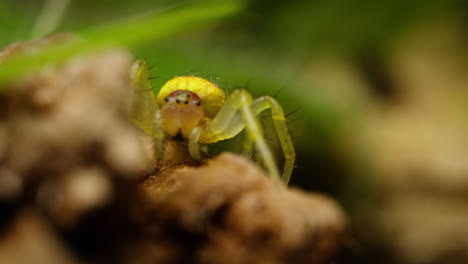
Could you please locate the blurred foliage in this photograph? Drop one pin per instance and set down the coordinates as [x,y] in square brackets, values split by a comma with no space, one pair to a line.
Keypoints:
[127,33]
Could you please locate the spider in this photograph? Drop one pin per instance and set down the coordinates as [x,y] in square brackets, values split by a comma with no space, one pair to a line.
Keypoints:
[196,111]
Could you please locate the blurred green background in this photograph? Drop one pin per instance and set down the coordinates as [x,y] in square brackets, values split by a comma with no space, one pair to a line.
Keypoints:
[366,78]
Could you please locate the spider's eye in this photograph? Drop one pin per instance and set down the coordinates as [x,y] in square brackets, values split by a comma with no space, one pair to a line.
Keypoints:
[166,99]
[186,102]
[177,101]
[198,103]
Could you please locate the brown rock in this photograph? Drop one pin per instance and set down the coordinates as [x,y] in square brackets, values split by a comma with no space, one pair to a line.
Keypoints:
[64,135]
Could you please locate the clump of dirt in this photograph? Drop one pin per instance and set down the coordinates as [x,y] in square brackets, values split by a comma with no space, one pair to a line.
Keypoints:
[73,187]
[229,210]
[64,135]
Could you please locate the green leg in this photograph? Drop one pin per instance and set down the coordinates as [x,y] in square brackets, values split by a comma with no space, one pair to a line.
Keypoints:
[247,146]
[256,133]
[279,122]
[143,109]
[236,114]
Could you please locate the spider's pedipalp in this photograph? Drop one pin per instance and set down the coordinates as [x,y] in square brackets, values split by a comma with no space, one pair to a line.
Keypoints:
[181,113]
[194,145]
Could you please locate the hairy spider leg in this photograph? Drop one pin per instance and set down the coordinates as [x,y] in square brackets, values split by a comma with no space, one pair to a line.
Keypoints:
[238,112]
[143,110]
[247,147]
[279,121]
[256,133]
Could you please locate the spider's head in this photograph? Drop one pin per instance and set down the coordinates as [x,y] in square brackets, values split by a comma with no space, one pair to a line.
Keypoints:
[181,111]
[211,95]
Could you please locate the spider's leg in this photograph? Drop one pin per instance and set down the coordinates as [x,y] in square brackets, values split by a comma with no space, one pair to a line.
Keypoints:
[279,122]
[256,133]
[143,109]
[238,122]
[236,114]
[247,146]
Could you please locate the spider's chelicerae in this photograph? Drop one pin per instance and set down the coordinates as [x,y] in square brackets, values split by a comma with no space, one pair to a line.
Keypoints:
[197,111]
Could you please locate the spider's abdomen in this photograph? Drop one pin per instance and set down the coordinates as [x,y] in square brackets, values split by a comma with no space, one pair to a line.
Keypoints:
[181,111]
[211,95]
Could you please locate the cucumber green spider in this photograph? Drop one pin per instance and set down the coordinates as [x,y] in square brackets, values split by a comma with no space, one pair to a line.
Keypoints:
[196,111]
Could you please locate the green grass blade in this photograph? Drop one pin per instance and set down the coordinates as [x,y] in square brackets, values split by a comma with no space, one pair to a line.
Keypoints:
[153,26]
